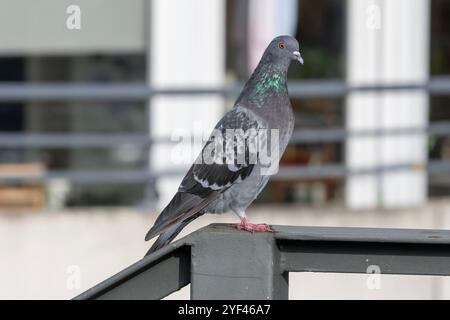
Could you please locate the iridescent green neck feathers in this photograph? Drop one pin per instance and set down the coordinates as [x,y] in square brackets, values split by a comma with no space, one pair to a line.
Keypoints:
[267,81]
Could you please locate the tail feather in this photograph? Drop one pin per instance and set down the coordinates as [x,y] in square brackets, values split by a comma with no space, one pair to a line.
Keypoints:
[165,238]
[168,235]
[182,206]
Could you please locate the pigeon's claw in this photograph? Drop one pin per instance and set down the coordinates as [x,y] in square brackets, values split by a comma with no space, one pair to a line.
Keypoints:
[252,227]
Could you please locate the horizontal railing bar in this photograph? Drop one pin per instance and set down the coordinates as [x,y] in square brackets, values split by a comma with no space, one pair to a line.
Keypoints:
[358,234]
[285,173]
[354,250]
[66,140]
[77,140]
[340,134]
[341,171]
[141,91]
[97,91]
[94,176]
[365,257]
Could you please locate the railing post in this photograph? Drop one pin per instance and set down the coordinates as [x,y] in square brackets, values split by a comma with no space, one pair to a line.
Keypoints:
[232,264]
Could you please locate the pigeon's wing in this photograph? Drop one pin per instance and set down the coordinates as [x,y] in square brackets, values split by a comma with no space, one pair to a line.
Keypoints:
[208,178]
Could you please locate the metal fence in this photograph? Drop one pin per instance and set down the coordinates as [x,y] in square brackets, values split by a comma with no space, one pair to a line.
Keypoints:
[13,92]
[221,262]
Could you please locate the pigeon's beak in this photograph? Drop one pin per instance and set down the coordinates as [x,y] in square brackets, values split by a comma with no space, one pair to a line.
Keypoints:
[298,56]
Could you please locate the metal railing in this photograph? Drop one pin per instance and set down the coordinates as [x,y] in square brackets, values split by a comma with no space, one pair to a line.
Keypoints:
[13,92]
[221,262]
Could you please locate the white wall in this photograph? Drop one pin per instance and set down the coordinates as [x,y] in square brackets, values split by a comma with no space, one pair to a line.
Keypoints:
[39,27]
[41,247]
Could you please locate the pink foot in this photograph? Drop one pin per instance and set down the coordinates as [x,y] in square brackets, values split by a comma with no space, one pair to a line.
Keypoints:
[252,227]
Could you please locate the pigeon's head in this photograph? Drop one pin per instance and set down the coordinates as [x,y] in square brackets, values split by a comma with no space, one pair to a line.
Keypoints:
[285,48]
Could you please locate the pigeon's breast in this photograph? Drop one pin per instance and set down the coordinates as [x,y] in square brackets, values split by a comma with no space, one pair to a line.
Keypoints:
[280,116]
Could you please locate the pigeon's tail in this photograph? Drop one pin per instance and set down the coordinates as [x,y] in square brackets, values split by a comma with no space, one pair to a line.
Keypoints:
[167,236]
[181,208]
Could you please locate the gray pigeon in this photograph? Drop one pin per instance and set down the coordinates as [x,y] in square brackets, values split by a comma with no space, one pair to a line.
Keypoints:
[226,176]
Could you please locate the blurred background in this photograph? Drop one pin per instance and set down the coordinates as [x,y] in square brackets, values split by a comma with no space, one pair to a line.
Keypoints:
[96,94]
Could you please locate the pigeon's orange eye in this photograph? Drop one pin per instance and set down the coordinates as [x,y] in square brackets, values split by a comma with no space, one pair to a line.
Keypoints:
[281,45]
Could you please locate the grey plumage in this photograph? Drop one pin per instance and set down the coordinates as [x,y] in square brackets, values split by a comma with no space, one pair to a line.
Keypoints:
[222,186]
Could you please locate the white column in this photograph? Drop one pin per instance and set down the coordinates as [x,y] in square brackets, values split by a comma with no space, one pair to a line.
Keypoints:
[387,42]
[268,19]
[187,49]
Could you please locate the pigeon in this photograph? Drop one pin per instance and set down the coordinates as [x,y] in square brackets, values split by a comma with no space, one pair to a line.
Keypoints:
[225,176]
